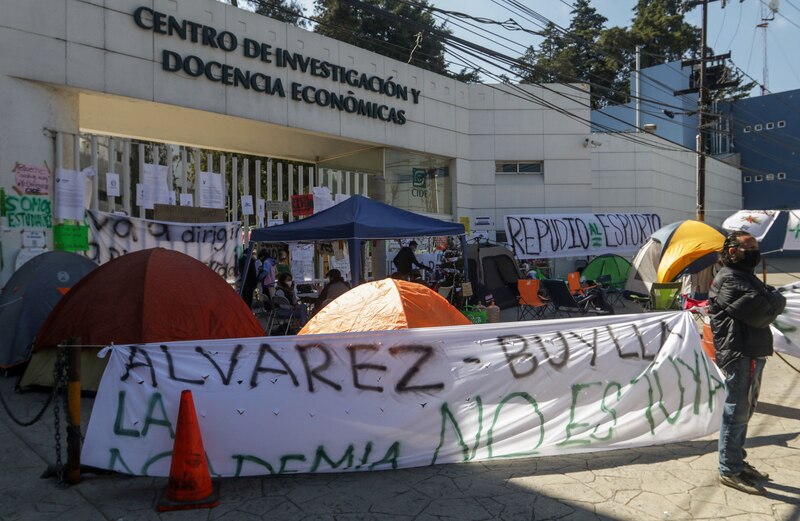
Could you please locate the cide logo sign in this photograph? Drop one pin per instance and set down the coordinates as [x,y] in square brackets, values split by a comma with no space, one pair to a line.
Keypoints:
[419,182]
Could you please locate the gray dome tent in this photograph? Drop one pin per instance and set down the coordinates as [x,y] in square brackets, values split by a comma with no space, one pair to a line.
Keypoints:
[29,296]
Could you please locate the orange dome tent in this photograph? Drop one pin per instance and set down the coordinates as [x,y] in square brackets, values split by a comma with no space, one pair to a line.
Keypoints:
[385,304]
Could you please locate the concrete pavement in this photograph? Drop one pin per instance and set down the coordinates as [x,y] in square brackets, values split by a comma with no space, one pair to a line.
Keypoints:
[676,481]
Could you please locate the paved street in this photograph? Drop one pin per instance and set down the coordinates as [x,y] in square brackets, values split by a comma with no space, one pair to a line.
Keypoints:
[677,481]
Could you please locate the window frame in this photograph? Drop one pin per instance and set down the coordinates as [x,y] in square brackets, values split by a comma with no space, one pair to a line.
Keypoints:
[500,167]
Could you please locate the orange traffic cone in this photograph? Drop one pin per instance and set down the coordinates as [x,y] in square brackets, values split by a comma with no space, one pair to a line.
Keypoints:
[190,483]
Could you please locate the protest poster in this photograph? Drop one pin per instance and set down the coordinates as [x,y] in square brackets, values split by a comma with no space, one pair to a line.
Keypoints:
[28,211]
[405,398]
[302,205]
[571,235]
[31,179]
[211,243]
[71,237]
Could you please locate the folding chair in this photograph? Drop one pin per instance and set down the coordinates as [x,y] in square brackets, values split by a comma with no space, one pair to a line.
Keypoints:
[282,315]
[529,303]
[612,294]
[574,280]
[564,302]
[664,295]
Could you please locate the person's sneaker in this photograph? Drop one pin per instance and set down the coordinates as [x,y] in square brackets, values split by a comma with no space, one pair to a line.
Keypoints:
[742,483]
[753,473]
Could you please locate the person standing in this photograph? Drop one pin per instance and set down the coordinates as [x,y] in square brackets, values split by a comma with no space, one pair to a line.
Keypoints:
[405,260]
[249,280]
[741,308]
[266,273]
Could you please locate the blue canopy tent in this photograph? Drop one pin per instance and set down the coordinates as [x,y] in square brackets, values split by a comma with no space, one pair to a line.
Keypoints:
[358,219]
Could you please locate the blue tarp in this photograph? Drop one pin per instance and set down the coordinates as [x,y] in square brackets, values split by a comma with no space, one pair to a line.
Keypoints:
[356,219]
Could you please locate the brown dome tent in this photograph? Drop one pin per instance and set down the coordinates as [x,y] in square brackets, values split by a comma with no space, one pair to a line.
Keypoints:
[153,295]
[385,304]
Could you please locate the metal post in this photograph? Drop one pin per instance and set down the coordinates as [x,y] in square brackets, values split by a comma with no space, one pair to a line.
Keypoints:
[701,152]
[638,87]
[73,468]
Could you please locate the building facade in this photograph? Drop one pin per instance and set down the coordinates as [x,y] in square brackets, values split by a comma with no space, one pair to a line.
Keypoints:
[202,86]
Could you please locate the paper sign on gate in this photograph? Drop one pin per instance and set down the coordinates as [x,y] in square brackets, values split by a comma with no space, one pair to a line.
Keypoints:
[210,190]
[112,184]
[70,194]
[247,205]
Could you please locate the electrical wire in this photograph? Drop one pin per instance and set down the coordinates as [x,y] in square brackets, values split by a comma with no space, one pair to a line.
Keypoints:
[527,95]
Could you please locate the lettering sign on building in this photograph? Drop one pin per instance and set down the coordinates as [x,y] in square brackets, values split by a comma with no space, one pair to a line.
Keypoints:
[265,56]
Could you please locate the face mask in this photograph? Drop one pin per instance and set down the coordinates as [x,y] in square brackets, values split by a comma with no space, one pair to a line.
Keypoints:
[751,258]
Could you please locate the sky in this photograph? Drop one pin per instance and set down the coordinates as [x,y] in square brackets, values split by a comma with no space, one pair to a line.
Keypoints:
[732,28]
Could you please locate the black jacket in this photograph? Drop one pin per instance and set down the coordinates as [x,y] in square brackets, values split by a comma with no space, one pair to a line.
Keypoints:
[405,260]
[741,308]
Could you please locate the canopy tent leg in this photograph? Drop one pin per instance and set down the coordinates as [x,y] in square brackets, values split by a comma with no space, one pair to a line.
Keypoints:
[354,251]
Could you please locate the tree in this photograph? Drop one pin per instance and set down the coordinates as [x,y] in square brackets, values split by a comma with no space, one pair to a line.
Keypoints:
[403,31]
[289,11]
[571,56]
[659,26]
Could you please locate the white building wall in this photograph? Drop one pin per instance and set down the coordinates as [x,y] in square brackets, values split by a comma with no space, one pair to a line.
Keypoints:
[659,176]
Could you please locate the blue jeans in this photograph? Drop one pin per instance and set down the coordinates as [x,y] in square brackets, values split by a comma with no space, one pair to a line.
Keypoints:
[742,383]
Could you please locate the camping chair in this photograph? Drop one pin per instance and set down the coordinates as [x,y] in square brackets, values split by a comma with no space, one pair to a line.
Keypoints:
[529,303]
[282,315]
[575,287]
[613,294]
[662,296]
[564,302]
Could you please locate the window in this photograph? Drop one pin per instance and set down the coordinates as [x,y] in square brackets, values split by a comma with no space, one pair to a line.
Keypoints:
[747,129]
[759,178]
[747,179]
[757,128]
[518,167]
[770,177]
[770,125]
[781,123]
[781,175]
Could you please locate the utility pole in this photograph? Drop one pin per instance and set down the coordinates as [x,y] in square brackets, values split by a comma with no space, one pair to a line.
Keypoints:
[707,79]
[701,116]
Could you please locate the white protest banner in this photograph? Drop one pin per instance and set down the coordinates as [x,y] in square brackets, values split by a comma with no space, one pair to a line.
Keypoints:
[786,328]
[755,222]
[70,194]
[395,399]
[210,190]
[570,235]
[213,244]
[792,239]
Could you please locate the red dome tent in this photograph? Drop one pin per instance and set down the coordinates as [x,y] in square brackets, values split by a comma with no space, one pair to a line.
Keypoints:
[153,295]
